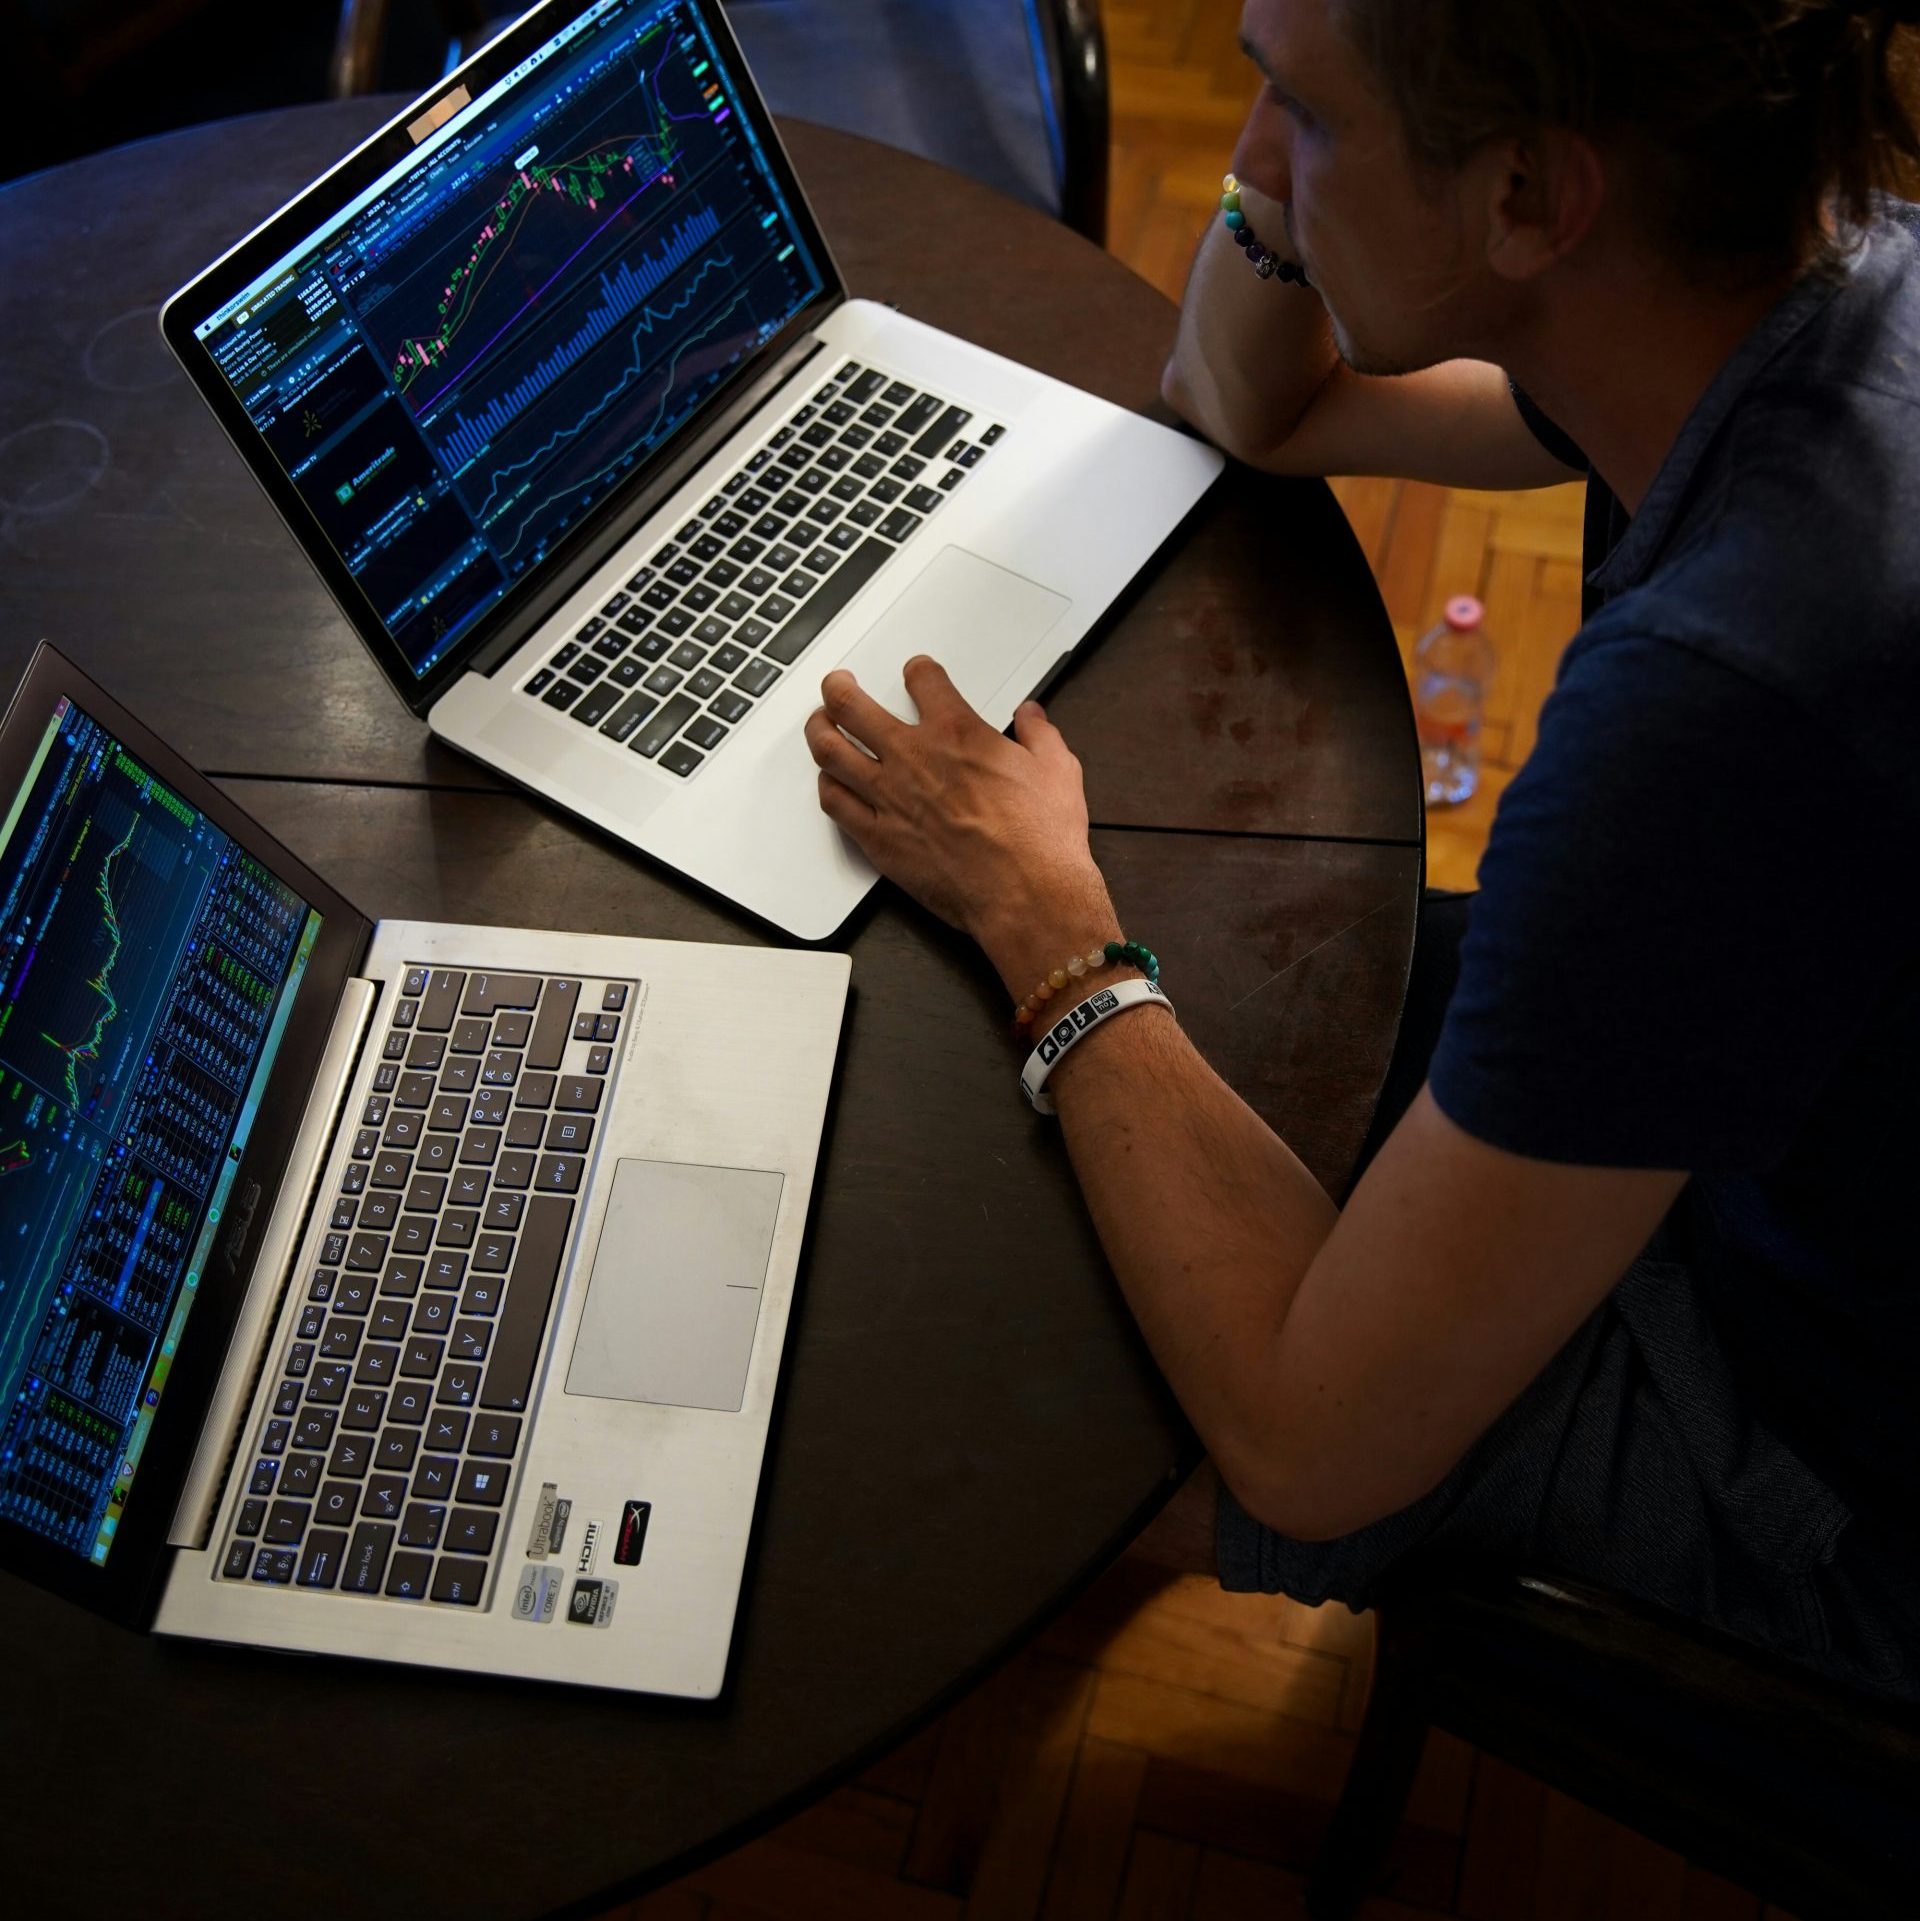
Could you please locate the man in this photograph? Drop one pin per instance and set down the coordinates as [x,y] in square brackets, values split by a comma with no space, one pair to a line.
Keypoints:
[1625,1289]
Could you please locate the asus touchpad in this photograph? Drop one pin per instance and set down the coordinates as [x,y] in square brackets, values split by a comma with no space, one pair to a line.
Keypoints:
[675,1292]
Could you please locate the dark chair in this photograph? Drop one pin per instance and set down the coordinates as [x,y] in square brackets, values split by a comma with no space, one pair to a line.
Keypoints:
[1751,1765]
[1013,92]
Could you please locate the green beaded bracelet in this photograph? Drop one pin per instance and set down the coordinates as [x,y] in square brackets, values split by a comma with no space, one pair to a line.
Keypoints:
[1116,953]
[1264,261]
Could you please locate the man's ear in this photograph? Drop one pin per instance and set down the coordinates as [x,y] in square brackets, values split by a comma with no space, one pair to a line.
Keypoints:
[1543,195]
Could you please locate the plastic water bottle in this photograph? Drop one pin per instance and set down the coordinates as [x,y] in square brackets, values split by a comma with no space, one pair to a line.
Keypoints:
[1452,664]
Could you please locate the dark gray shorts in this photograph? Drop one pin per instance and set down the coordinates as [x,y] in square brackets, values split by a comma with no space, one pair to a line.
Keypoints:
[1631,1462]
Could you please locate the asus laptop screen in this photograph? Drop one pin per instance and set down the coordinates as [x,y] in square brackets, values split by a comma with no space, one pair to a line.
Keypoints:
[458,367]
[148,968]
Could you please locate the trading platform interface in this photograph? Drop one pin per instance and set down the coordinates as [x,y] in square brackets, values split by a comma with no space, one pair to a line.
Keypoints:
[147,968]
[484,345]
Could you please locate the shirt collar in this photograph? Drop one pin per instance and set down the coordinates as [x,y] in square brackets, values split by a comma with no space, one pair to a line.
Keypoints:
[1647,532]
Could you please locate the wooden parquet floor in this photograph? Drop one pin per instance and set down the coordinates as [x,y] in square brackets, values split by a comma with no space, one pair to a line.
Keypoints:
[1167,1752]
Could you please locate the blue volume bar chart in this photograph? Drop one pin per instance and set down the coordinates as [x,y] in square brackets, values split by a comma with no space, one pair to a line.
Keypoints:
[621,292]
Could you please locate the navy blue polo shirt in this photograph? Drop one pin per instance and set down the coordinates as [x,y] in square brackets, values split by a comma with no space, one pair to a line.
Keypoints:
[1697,939]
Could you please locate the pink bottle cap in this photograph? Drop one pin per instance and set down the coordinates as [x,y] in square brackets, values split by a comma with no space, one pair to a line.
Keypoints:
[1463,611]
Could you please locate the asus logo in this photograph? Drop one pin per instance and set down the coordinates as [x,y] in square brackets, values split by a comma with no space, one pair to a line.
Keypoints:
[241,1220]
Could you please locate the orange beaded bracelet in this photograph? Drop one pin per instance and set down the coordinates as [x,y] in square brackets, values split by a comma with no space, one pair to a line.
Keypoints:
[1115,953]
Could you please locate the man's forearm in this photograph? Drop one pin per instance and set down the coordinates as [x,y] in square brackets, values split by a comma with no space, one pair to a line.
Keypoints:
[1208,1219]
[1251,353]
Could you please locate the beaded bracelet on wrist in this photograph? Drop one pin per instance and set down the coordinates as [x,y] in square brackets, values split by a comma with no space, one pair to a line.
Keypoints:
[1263,260]
[1116,953]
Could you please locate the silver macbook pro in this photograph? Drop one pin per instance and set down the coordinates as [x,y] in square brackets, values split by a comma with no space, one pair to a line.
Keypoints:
[558,387]
[399,1290]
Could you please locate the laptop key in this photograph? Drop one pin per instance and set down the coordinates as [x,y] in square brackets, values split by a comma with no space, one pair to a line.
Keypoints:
[732,708]
[396,1449]
[900,525]
[631,713]
[515,1169]
[458,1580]
[383,1497]
[338,1503]
[322,1557]
[756,677]
[424,1520]
[562,694]
[493,1252]
[823,560]
[376,1364]
[407,1576]
[598,704]
[286,1522]
[923,500]
[364,1409]
[471,1530]
[560,1174]
[663,726]
[470,1340]
[388,1321]
[483,1483]
[942,432]
[275,1565]
[300,1477]
[435,1314]
[706,733]
[459,1383]
[367,1558]
[341,1340]
[239,1560]
[330,1382]
[251,1518]
[482,1295]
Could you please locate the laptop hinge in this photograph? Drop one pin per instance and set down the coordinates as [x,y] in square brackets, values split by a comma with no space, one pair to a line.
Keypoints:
[267,1285]
[670,478]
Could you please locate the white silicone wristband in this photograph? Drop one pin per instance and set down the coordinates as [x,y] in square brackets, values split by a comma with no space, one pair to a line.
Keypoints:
[1073,1027]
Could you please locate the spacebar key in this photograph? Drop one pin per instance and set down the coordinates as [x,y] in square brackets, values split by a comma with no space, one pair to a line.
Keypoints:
[516,1341]
[813,613]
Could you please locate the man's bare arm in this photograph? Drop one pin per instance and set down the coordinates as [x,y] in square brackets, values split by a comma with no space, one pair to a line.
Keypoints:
[1254,368]
[1335,1364]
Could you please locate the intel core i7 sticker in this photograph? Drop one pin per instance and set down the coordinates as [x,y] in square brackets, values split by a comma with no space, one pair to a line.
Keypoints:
[536,1596]
[592,1603]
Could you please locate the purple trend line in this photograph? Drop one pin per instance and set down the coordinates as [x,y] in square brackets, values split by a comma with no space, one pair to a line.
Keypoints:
[544,285]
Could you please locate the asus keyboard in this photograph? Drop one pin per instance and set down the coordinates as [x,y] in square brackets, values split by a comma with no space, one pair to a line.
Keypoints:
[674,663]
[388,1451]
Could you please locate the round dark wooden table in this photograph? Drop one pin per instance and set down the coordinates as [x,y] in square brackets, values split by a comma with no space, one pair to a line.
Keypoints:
[970,1425]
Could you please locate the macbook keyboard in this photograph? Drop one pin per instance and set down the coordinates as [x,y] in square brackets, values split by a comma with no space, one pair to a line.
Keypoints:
[675,662]
[390,1442]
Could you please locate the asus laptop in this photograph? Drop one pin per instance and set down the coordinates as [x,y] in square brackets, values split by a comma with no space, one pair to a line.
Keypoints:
[557,385]
[399,1290]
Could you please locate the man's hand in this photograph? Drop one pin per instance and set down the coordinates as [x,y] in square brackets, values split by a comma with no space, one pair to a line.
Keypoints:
[990,833]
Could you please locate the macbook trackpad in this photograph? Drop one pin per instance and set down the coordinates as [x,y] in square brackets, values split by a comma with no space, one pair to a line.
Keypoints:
[977,620]
[675,1292]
